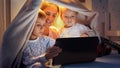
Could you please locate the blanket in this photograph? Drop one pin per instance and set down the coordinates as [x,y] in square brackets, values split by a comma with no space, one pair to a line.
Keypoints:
[18,33]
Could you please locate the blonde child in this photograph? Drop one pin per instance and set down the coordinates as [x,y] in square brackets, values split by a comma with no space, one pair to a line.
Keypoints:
[72,28]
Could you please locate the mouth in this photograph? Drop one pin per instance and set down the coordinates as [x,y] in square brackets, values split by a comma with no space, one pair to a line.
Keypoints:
[48,23]
[68,22]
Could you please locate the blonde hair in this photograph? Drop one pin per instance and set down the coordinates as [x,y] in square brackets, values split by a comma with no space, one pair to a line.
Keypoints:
[48,4]
[64,9]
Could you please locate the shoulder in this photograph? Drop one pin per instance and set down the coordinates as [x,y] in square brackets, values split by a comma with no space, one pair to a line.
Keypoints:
[46,38]
[50,41]
[78,24]
[32,42]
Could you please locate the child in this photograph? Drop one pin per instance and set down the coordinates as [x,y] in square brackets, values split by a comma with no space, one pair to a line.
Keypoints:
[71,27]
[39,48]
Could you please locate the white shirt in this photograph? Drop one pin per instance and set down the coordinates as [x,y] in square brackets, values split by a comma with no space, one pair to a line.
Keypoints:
[75,31]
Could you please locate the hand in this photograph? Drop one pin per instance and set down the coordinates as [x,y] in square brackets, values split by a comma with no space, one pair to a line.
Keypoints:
[52,52]
[84,35]
[88,20]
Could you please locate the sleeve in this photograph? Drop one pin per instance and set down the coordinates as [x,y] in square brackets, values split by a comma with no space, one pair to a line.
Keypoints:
[28,59]
[83,29]
[91,32]
[51,42]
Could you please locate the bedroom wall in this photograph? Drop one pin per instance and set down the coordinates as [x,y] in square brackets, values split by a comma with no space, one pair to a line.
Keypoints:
[15,7]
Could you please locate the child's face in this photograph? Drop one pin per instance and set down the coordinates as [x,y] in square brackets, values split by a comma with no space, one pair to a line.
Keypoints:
[69,17]
[39,27]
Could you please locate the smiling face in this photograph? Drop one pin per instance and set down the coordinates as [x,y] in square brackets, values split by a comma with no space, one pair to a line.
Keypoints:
[69,17]
[51,13]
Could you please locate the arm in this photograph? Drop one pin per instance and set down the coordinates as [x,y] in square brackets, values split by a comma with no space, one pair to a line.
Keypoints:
[52,50]
[86,32]
[53,32]
[84,35]
[30,56]
[88,21]
[29,59]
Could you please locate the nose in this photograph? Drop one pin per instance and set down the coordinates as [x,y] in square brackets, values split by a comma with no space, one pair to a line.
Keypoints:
[49,18]
[69,19]
[42,30]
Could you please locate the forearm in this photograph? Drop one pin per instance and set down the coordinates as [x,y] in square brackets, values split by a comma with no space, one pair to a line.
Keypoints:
[30,60]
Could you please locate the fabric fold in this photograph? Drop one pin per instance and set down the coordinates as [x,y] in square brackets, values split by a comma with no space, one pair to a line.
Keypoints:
[17,34]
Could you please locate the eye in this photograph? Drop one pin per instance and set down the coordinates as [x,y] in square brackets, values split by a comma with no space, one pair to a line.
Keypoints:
[38,25]
[72,16]
[48,13]
[66,16]
[54,15]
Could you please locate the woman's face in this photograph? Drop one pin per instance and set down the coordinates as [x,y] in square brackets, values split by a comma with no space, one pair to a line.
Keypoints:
[51,13]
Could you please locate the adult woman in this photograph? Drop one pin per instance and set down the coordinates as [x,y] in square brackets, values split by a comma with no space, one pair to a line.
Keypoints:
[51,11]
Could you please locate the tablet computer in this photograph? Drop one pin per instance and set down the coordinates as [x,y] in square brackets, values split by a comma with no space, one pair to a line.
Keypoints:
[76,50]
